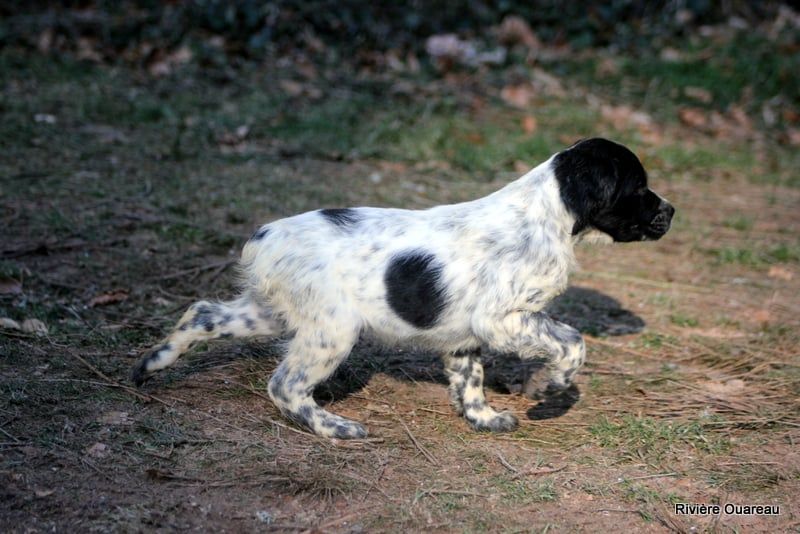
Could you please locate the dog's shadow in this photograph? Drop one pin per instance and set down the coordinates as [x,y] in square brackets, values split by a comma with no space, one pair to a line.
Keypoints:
[588,310]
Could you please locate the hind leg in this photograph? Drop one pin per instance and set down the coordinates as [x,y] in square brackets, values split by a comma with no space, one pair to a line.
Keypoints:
[312,357]
[203,321]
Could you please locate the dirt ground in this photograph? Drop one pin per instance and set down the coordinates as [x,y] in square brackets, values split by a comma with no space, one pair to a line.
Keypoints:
[124,199]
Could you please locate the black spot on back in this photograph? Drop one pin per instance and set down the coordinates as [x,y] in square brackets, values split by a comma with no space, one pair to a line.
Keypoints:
[341,217]
[414,288]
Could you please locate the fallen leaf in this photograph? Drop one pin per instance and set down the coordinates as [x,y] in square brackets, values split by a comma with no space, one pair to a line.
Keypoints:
[87,52]
[235,137]
[516,30]
[547,83]
[166,63]
[740,117]
[529,124]
[622,117]
[693,117]
[312,42]
[671,55]
[295,89]
[45,41]
[699,94]
[729,387]
[34,326]
[291,87]
[106,134]
[108,298]
[412,63]
[781,273]
[519,96]
[719,333]
[448,46]
[762,316]
[98,450]
[10,324]
[115,418]
[9,286]
[607,66]
[448,50]
[791,116]
[161,301]
[45,118]
[793,136]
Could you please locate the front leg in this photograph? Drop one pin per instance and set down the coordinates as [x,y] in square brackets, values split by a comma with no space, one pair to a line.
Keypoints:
[533,335]
[465,372]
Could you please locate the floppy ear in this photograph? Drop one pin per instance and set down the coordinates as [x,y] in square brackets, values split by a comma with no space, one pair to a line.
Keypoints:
[586,180]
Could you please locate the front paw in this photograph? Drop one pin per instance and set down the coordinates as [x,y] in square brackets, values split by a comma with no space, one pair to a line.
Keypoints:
[492,422]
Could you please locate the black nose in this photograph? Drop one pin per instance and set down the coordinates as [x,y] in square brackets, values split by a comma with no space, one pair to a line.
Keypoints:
[662,220]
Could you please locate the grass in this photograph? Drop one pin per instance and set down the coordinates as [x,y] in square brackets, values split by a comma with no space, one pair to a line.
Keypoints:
[658,83]
[524,491]
[741,223]
[683,320]
[648,498]
[756,257]
[655,440]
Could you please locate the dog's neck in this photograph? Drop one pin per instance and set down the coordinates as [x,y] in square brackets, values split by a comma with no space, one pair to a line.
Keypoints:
[537,193]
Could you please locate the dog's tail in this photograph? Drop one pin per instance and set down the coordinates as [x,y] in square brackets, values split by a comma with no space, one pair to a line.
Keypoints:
[246,316]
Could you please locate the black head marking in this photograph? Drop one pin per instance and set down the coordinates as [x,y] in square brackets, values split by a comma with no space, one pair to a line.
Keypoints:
[414,288]
[341,217]
[604,186]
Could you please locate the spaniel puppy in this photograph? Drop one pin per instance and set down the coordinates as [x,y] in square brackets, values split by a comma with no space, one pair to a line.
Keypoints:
[448,279]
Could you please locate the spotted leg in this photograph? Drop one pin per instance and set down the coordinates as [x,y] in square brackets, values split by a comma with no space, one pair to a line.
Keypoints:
[203,321]
[466,394]
[311,358]
[533,335]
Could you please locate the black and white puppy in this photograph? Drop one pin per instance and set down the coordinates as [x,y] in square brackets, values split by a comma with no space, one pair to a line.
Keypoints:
[450,279]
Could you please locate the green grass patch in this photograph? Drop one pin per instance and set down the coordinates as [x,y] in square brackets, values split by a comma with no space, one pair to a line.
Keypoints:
[524,491]
[741,223]
[680,319]
[747,61]
[655,438]
[752,257]
[652,340]
[649,497]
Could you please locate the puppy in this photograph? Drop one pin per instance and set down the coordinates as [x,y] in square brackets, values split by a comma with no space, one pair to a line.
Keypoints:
[449,279]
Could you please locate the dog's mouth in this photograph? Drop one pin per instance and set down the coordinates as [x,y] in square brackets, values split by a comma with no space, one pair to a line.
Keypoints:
[660,224]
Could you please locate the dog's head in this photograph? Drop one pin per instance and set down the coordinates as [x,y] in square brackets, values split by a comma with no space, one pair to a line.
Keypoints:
[604,186]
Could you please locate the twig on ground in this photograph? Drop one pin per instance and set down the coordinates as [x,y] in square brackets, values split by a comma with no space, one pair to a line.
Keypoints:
[197,270]
[113,383]
[659,475]
[418,445]
[539,471]
[9,435]
[505,463]
[644,281]
[628,511]
[44,248]
[448,492]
